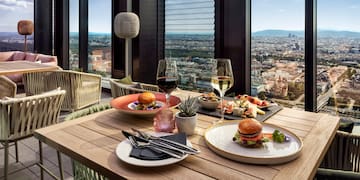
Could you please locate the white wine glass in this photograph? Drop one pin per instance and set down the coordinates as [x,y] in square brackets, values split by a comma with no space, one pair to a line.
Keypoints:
[222,80]
[167,77]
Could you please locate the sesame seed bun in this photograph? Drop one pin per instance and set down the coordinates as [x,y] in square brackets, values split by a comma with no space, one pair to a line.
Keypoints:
[146,98]
[249,127]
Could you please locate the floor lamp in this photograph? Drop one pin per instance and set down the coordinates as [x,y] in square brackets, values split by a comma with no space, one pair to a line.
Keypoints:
[126,25]
[25,27]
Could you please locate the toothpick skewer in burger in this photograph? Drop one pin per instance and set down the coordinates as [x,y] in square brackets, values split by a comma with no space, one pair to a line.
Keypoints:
[249,133]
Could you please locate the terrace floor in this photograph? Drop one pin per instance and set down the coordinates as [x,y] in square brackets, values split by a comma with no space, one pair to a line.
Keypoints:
[29,154]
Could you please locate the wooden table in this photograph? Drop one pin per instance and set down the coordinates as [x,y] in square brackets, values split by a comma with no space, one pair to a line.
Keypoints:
[15,67]
[92,140]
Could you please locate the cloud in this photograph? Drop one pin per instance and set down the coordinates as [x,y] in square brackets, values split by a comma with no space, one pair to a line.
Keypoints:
[6,8]
[12,4]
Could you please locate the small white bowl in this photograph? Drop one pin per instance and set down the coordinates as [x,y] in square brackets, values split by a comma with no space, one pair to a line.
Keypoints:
[208,104]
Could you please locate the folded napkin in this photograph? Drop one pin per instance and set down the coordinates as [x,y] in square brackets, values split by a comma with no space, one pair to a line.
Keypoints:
[150,154]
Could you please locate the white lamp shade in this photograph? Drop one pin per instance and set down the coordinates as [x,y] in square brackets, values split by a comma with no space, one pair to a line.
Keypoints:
[126,25]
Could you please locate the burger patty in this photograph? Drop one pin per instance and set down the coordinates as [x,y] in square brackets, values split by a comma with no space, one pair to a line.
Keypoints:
[249,135]
[255,141]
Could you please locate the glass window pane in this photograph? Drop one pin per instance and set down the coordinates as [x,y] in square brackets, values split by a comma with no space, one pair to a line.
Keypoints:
[189,39]
[338,70]
[11,12]
[277,48]
[74,35]
[99,45]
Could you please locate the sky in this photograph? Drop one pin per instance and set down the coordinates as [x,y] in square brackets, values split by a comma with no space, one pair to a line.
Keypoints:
[266,14]
[99,16]
[11,11]
[289,15]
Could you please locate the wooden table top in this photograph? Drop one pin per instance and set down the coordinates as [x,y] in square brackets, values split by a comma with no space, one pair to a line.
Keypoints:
[15,67]
[92,140]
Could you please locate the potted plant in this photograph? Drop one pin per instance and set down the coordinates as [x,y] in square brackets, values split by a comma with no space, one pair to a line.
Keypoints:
[186,118]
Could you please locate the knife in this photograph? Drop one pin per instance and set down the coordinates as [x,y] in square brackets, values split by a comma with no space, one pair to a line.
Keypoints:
[187,149]
[140,139]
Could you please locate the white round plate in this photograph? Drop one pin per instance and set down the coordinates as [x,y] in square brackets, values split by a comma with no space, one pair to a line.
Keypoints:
[219,139]
[123,153]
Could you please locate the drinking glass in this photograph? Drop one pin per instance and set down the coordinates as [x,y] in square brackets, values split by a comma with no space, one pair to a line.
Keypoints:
[167,77]
[222,80]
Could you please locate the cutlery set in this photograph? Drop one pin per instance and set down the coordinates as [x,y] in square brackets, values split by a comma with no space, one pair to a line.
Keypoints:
[172,148]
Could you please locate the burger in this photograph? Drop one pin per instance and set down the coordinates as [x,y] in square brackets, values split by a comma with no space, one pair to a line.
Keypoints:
[249,133]
[146,101]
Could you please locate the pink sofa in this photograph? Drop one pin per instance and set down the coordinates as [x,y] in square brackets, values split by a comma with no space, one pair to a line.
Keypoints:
[26,56]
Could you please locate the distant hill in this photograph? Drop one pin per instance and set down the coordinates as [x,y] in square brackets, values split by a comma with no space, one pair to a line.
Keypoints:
[321,33]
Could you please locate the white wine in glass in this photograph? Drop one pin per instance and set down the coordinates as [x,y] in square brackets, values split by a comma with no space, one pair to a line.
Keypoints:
[222,80]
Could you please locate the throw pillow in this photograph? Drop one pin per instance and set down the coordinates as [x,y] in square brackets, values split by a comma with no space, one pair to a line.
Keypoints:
[125,80]
[46,58]
[31,57]
[18,56]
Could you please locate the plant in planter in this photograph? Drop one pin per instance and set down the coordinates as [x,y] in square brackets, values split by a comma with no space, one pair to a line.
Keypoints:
[186,118]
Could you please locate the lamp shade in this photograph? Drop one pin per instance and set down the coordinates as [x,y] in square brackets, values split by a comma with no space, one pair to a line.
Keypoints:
[25,27]
[126,25]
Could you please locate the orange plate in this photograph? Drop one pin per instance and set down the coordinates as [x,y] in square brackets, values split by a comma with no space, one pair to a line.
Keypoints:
[122,103]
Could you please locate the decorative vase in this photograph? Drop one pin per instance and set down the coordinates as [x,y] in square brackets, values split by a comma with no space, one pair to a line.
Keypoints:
[186,124]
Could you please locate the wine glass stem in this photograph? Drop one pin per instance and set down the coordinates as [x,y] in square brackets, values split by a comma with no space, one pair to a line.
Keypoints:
[167,97]
[222,109]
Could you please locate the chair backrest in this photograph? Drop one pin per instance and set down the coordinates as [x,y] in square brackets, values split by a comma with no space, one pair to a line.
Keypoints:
[19,117]
[120,89]
[34,82]
[7,87]
[344,153]
[73,83]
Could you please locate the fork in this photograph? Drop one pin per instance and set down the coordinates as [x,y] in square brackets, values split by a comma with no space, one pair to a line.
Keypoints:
[187,149]
[137,144]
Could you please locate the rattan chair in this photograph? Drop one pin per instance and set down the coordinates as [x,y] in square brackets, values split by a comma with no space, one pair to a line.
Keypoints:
[81,172]
[342,161]
[7,87]
[120,89]
[20,117]
[34,82]
[82,89]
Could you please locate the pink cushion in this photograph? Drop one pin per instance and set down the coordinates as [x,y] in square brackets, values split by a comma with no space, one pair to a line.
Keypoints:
[45,58]
[18,56]
[31,57]
[16,78]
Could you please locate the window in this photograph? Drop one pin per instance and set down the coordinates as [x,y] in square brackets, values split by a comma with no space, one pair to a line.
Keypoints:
[11,12]
[338,70]
[189,39]
[277,49]
[74,35]
[99,37]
